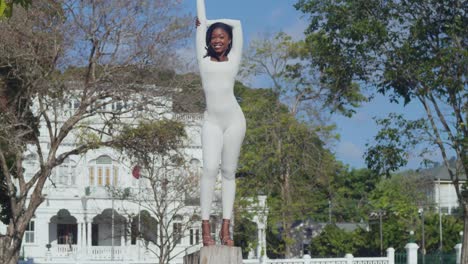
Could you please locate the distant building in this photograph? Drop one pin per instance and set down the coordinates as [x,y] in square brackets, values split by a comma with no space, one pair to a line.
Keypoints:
[442,191]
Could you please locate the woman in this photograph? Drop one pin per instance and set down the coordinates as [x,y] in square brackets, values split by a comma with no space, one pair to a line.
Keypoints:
[219,51]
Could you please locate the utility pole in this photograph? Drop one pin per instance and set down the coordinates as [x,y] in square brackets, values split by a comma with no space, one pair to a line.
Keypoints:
[381,233]
[440,224]
[112,231]
[423,240]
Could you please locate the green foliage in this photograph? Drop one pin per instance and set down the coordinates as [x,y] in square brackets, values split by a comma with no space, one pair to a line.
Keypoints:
[334,242]
[451,227]
[282,158]
[245,235]
[6,7]
[349,194]
[148,138]
[401,195]
[410,51]
[395,139]
[398,199]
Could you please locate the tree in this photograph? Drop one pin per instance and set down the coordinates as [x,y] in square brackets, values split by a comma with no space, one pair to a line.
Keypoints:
[397,198]
[6,7]
[297,81]
[451,227]
[282,158]
[349,194]
[411,51]
[157,146]
[109,39]
[335,242]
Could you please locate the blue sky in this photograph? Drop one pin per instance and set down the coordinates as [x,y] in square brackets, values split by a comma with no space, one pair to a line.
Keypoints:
[270,16]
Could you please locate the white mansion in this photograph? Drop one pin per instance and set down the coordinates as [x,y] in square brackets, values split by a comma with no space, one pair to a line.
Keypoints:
[80,221]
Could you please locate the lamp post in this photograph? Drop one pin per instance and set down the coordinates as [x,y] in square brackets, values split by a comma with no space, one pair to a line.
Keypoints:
[423,239]
[411,236]
[381,232]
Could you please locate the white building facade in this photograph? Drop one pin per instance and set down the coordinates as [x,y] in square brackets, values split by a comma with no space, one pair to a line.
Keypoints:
[81,221]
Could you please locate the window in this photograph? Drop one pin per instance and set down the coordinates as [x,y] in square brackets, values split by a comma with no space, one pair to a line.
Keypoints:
[91,176]
[108,176]
[65,173]
[103,172]
[177,229]
[116,175]
[29,233]
[194,236]
[444,210]
[104,160]
[99,179]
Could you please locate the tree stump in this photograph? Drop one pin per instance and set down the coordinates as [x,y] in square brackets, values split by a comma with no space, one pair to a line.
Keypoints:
[215,255]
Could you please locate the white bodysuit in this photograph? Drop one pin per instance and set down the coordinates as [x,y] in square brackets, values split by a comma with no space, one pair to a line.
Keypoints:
[224,123]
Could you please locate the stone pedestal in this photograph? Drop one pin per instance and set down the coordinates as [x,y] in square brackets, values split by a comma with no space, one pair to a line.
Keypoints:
[215,255]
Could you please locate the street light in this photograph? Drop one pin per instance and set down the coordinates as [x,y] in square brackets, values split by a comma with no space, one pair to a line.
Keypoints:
[423,242]
[380,212]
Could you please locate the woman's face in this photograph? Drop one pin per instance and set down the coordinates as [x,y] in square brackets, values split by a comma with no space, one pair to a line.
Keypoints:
[220,41]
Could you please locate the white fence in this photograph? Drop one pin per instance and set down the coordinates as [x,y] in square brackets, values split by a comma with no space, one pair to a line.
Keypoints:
[348,259]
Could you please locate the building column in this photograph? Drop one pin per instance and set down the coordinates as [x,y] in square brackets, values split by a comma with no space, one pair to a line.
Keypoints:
[89,243]
[123,246]
[79,238]
[48,254]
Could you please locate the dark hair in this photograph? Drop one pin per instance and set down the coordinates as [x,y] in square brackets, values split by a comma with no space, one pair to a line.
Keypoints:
[209,50]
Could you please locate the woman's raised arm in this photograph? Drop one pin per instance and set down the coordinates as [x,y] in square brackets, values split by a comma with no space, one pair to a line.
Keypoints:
[236,51]
[201,30]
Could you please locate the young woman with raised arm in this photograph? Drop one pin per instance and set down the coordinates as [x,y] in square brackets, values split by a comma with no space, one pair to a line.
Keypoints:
[219,52]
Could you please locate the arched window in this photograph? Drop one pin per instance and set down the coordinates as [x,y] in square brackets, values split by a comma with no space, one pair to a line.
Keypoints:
[103,172]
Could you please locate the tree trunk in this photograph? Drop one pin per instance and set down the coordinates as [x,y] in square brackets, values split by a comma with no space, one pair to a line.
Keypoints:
[464,254]
[9,250]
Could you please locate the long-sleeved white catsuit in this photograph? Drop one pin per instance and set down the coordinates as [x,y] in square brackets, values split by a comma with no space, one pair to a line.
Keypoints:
[224,123]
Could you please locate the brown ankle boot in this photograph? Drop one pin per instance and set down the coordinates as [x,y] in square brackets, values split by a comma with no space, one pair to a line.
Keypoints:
[224,234]
[206,234]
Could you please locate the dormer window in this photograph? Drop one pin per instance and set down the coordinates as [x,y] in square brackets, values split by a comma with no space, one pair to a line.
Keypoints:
[103,172]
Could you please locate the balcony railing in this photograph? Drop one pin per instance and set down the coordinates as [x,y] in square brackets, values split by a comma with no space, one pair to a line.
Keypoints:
[105,253]
[65,250]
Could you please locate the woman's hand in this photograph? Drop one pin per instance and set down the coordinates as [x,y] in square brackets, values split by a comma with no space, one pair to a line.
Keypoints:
[197,22]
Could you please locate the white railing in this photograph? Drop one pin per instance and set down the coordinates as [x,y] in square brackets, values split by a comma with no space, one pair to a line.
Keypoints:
[348,259]
[105,253]
[65,250]
[371,261]
[319,261]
